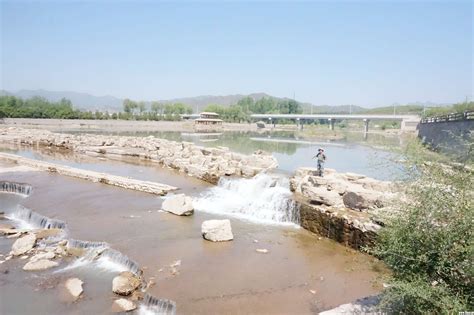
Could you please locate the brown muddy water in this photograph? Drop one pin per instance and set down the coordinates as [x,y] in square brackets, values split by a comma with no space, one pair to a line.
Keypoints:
[301,274]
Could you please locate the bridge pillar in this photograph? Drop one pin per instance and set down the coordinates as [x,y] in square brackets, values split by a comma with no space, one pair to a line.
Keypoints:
[409,124]
[366,127]
[331,123]
[298,124]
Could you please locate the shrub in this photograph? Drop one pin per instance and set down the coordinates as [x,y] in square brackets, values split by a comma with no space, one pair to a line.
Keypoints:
[428,239]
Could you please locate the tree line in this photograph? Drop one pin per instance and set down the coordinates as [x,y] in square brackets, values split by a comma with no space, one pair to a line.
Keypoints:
[38,107]
[247,106]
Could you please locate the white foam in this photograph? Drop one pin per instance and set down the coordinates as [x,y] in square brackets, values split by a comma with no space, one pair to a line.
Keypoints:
[263,199]
[107,264]
[103,258]
[28,219]
[78,263]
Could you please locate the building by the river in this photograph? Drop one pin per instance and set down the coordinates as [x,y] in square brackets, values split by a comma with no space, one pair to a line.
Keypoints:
[208,121]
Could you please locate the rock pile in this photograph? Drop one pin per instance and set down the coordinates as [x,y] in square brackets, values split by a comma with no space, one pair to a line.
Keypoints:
[352,191]
[341,206]
[208,164]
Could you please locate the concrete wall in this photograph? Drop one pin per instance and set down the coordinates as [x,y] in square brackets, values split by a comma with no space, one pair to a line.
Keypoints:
[448,136]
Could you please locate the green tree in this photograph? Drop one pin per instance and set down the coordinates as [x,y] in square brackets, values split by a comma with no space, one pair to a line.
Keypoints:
[141,107]
[157,107]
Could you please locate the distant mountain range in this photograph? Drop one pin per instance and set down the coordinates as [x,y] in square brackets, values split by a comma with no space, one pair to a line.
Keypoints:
[86,101]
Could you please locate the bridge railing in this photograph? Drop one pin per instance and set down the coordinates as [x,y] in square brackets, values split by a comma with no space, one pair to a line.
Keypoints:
[467,115]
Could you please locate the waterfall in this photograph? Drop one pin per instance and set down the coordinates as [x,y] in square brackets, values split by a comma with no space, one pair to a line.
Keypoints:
[16,188]
[152,305]
[264,199]
[100,255]
[29,219]
[86,244]
[112,259]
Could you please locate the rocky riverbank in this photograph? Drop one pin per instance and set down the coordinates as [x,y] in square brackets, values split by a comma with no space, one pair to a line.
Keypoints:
[208,164]
[345,207]
[43,245]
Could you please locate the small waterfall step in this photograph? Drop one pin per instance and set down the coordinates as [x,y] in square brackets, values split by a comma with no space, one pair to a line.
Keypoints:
[16,188]
[30,219]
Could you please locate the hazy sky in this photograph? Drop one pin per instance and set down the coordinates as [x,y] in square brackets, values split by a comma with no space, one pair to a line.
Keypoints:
[366,53]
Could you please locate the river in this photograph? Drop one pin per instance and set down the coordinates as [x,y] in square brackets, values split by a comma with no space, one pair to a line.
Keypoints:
[301,274]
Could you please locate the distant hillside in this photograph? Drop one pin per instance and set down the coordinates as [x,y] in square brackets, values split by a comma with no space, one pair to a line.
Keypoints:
[224,100]
[401,110]
[86,101]
[327,109]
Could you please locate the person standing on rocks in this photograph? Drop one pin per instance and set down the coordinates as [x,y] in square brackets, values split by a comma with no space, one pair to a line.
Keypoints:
[321,157]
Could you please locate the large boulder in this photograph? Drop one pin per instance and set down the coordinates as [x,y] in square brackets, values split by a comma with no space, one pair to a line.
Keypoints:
[362,199]
[23,244]
[321,195]
[217,230]
[74,287]
[179,205]
[125,283]
[355,201]
[41,264]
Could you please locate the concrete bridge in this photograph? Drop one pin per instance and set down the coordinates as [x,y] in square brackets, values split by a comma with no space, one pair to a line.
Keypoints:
[408,122]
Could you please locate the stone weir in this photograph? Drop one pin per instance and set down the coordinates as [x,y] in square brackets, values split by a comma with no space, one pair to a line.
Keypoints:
[345,207]
[124,182]
[208,164]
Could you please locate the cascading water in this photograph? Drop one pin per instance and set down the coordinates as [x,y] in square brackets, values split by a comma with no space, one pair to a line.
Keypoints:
[86,244]
[99,254]
[16,188]
[29,219]
[264,198]
[152,305]
[112,259]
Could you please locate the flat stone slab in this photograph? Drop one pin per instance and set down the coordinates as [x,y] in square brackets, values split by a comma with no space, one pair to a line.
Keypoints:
[23,244]
[114,180]
[41,264]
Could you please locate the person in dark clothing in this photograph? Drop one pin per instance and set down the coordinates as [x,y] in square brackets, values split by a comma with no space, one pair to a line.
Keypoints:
[321,158]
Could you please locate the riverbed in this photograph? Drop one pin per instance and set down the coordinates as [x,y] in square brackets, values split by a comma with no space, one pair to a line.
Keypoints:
[302,272]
